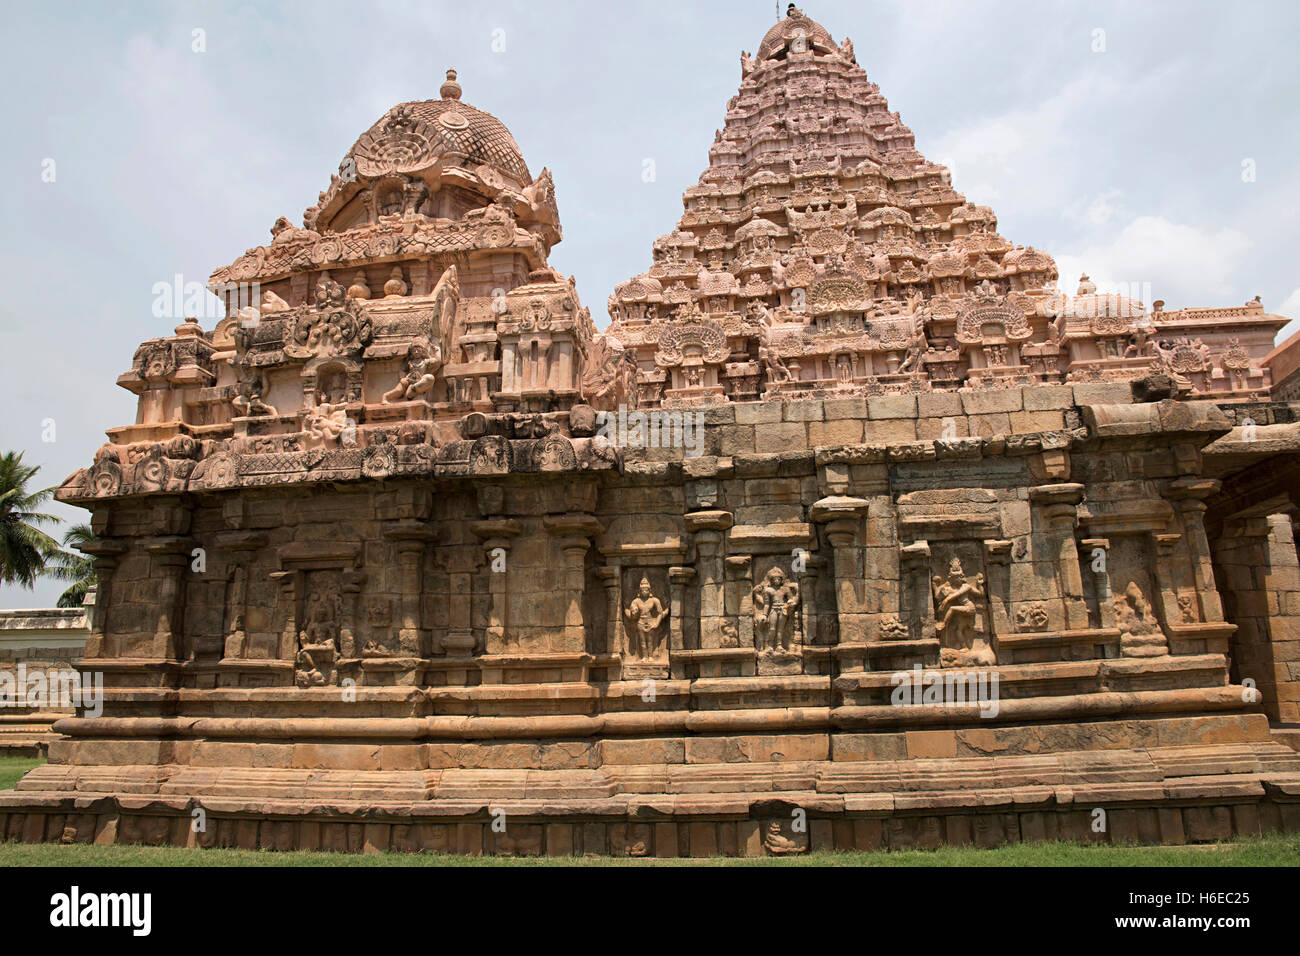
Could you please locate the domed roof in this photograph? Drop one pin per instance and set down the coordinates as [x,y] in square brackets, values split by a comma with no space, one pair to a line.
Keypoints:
[794,25]
[412,135]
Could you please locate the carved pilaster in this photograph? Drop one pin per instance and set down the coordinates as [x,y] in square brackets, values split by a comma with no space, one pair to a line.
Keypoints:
[171,556]
[240,547]
[917,606]
[739,608]
[573,533]
[997,568]
[497,535]
[1097,557]
[678,578]
[411,538]
[808,596]
[288,582]
[843,519]
[611,576]
[1188,495]
[1059,506]
[709,528]
[106,553]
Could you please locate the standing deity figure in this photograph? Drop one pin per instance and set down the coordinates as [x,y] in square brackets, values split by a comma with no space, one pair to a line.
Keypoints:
[645,614]
[774,365]
[776,601]
[421,368]
[955,612]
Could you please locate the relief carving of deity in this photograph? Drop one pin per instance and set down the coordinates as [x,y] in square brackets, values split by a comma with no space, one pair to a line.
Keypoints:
[318,638]
[956,613]
[776,604]
[1140,633]
[421,368]
[774,365]
[645,616]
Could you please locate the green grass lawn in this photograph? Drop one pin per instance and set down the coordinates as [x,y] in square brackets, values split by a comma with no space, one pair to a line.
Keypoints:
[11,768]
[1271,851]
[1267,851]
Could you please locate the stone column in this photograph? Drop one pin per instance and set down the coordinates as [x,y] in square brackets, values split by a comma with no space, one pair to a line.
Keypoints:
[1188,496]
[573,533]
[288,581]
[171,555]
[611,576]
[510,384]
[708,528]
[808,596]
[678,578]
[497,535]
[1059,505]
[843,519]
[737,595]
[350,585]
[410,536]
[459,639]
[917,610]
[240,546]
[997,564]
[1165,547]
[106,553]
[1100,579]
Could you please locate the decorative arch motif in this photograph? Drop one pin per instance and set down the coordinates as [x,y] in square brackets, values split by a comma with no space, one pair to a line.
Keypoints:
[970,325]
[678,337]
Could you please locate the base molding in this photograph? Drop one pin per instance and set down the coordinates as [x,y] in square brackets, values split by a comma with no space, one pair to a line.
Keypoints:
[748,825]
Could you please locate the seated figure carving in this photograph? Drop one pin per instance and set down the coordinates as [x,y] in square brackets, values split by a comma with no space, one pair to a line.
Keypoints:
[421,370]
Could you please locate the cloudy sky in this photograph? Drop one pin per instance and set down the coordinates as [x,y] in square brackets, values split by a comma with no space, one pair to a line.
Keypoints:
[1150,143]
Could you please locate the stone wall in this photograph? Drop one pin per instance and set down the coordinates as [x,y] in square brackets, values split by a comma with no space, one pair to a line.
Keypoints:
[47,642]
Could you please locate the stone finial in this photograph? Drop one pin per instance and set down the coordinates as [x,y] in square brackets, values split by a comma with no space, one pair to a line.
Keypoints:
[451,89]
[359,289]
[395,285]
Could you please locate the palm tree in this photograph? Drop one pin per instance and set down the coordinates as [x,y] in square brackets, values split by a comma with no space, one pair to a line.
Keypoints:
[24,548]
[68,564]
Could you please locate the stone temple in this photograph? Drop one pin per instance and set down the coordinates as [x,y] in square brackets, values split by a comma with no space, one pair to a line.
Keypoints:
[848,517]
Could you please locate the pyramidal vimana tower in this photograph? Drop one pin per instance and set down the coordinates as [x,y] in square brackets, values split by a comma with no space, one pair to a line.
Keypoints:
[891,536]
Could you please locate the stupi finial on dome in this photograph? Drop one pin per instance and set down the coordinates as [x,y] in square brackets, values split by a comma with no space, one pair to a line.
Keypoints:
[451,89]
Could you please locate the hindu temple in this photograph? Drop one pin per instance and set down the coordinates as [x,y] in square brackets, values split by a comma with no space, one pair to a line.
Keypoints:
[894,544]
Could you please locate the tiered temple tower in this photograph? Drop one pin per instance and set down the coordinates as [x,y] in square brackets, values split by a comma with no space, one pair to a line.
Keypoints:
[822,255]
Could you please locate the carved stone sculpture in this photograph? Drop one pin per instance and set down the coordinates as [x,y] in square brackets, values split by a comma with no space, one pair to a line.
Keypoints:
[956,610]
[645,616]
[776,608]
[421,369]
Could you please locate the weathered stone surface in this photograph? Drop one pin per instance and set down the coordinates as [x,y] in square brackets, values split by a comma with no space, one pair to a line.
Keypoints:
[849,512]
